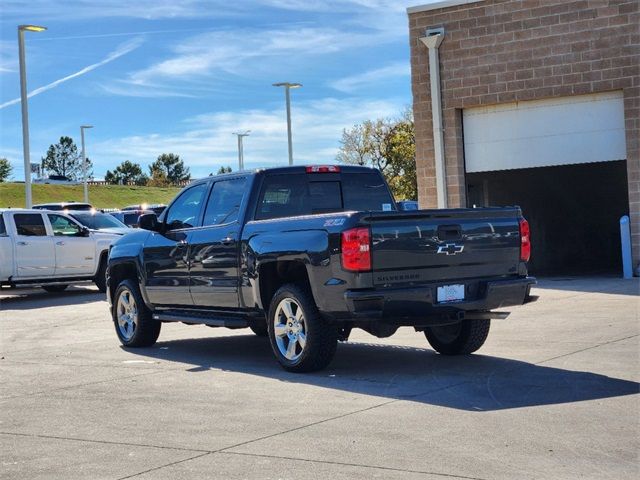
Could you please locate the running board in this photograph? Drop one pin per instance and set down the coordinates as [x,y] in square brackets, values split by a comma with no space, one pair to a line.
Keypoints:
[228,322]
[486,315]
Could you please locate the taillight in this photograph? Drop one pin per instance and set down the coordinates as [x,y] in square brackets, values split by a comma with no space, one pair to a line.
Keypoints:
[356,254]
[525,241]
[323,169]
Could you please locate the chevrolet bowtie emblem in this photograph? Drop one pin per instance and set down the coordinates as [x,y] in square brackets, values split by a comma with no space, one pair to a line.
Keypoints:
[450,248]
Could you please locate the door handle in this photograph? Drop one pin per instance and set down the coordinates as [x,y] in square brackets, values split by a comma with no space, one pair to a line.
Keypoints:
[60,243]
[227,240]
[22,244]
[181,243]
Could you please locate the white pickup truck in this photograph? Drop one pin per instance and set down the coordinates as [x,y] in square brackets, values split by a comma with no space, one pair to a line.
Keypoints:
[50,250]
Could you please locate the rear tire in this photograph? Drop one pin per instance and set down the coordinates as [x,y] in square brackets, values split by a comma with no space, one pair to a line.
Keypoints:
[55,288]
[301,340]
[459,338]
[101,277]
[132,319]
[260,330]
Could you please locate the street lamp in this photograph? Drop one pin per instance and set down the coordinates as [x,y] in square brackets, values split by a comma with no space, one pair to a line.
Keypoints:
[25,110]
[288,86]
[240,136]
[84,164]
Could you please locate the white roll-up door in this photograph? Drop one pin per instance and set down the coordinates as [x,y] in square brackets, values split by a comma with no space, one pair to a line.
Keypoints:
[540,133]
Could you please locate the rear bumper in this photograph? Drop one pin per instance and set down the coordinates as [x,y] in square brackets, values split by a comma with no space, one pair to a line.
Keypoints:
[404,305]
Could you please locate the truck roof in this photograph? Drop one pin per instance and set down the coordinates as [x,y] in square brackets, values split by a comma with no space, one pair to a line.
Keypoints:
[287,169]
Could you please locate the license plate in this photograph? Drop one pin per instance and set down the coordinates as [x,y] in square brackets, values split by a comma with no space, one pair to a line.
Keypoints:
[450,293]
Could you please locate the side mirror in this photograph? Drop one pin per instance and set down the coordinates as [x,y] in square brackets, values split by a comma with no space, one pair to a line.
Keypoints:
[85,232]
[149,221]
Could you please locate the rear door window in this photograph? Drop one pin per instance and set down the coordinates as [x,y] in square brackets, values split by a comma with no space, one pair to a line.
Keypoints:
[30,224]
[224,202]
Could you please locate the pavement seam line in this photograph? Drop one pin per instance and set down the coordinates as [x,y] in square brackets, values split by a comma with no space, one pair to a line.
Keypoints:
[347,464]
[105,442]
[42,392]
[165,465]
[585,349]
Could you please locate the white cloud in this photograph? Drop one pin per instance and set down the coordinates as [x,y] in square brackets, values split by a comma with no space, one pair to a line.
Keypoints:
[241,51]
[87,9]
[117,53]
[206,141]
[371,77]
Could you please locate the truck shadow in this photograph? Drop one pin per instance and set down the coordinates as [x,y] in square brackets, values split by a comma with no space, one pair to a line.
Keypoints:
[472,383]
[34,298]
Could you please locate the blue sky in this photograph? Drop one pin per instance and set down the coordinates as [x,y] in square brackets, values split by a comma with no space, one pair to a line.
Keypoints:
[158,76]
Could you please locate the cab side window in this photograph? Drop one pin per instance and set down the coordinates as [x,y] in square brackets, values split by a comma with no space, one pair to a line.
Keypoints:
[63,227]
[30,224]
[183,213]
[3,229]
[224,202]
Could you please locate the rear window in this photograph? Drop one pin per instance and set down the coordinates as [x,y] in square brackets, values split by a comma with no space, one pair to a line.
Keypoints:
[302,194]
[29,224]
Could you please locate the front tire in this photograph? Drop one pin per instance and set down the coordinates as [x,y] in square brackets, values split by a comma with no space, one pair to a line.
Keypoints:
[132,319]
[55,288]
[301,340]
[459,338]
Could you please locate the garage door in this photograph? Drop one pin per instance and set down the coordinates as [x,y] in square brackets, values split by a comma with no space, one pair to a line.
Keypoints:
[538,133]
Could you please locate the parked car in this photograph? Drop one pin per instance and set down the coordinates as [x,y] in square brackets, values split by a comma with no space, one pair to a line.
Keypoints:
[407,205]
[50,250]
[100,222]
[57,180]
[306,254]
[129,217]
[64,206]
[156,208]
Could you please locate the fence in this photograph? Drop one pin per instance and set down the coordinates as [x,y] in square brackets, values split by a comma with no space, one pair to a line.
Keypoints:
[182,183]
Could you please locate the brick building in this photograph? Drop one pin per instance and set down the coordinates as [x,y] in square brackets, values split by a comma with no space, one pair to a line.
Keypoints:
[540,107]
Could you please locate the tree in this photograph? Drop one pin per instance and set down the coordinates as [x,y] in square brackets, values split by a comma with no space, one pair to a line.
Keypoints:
[63,159]
[5,169]
[222,170]
[158,178]
[389,146]
[401,153]
[172,166]
[125,173]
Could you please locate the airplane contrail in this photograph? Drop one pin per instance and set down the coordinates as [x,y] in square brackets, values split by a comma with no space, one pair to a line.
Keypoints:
[117,53]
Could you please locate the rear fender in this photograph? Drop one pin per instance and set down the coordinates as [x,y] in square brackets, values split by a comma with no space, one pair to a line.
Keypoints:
[309,247]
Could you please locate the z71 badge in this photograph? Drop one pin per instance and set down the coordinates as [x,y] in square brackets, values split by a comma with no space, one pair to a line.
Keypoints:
[334,222]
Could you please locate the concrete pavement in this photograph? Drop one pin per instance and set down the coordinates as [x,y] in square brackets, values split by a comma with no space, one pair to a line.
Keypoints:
[552,394]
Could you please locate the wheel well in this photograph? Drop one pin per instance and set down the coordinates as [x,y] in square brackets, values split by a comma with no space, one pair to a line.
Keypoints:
[275,274]
[119,272]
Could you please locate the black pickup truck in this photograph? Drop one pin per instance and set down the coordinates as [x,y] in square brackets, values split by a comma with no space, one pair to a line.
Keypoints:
[305,254]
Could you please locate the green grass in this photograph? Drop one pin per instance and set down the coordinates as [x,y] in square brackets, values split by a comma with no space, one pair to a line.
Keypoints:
[100,196]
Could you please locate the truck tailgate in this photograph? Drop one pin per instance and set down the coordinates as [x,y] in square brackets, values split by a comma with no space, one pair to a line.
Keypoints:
[441,245]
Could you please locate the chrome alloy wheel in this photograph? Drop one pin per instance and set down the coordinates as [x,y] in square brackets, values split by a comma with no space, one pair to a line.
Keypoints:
[289,329]
[127,314]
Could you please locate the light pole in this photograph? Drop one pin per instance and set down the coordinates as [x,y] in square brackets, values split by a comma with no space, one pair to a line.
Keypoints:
[288,86]
[25,110]
[84,164]
[240,136]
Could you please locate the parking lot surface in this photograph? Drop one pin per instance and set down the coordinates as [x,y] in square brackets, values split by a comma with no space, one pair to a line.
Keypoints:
[552,394]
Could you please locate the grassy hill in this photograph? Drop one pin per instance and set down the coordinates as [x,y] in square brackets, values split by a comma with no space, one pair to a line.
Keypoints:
[100,196]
